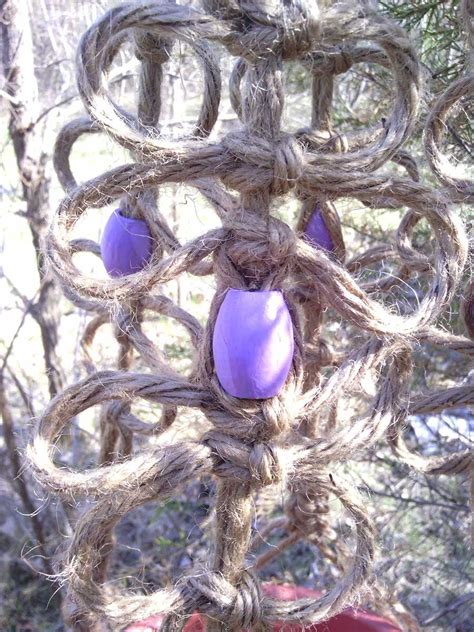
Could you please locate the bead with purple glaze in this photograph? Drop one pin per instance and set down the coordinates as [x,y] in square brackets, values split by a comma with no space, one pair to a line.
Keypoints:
[126,245]
[317,232]
[253,343]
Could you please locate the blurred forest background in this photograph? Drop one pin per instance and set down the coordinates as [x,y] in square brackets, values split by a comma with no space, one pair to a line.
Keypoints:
[424,524]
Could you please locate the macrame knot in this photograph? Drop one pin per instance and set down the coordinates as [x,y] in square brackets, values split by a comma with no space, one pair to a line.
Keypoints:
[253,161]
[151,48]
[281,240]
[261,237]
[300,28]
[257,463]
[212,595]
[330,62]
[288,164]
[323,140]
[264,465]
[307,509]
[260,249]
[289,30]
[276,164]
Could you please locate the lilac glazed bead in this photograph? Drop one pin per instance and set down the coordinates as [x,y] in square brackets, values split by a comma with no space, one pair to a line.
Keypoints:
[253,343]
[126,245]
[317,232]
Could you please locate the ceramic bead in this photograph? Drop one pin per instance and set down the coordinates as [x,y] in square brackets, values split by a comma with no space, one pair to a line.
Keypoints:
[317,232]
[126,245]
[253,343]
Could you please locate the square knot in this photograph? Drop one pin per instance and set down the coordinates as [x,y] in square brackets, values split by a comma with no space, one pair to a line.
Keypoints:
[259,244]
[289,30]
[276,164]
[299,28]
[256,463]
[210,594]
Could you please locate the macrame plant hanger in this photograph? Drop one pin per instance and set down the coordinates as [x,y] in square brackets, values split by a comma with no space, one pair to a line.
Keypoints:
[274,417]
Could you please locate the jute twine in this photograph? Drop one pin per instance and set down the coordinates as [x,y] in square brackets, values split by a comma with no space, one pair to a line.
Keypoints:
[295,439]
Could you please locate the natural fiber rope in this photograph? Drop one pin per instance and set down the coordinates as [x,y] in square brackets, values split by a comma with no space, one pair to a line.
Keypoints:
[462,190]
[252,443]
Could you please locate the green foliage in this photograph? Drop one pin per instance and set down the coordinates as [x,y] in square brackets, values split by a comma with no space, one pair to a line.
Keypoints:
[435,25]
[27,604]
[441,44]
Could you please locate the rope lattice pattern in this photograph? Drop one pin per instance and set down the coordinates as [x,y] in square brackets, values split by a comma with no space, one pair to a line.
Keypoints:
[289,438]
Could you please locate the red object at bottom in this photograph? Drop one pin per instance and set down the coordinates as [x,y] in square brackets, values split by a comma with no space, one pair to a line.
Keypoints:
[350,620]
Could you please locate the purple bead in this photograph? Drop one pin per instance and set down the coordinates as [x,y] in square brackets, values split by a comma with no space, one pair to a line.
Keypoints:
[126,245]
[317,232]
[253,343]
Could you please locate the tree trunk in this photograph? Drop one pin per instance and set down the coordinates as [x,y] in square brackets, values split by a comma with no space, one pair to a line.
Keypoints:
[18,477]
[22,87]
